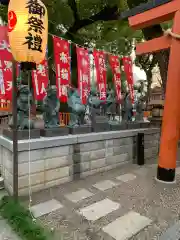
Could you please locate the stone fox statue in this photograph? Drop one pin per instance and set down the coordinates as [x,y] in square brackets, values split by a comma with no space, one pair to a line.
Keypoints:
[93,105]
[76,107]
[51,106]
[24,103]
[127,109]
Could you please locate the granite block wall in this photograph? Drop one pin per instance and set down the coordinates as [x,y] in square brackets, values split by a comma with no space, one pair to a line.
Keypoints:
[54,161]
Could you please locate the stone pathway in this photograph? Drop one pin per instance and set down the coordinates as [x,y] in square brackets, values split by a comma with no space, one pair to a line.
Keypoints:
[125,203]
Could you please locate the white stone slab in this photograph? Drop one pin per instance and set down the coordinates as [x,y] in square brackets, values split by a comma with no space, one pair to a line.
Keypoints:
[126,177]
[127,226]
[79,195]
[45,208]
[104,185]
[99,209]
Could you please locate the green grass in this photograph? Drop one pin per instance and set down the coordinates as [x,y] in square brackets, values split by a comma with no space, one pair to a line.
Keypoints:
[21,220]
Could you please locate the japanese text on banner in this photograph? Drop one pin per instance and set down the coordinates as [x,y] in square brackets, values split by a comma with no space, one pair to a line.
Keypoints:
[5,66]
[99,59]
[115,66]
[83,73]
[40,80]
[62,63]
[127,62]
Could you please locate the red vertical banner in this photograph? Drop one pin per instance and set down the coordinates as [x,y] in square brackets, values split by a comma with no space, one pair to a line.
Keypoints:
[115,66]
[62,64]
[100,65]
[40,80]
[83,73]
[127,62]
[5,65]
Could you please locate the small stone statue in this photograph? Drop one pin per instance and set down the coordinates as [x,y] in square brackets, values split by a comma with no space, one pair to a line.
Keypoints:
[24,103]
[139,110]
[77,109]
[93,105]
[111,105]
[51,106]
[127,109]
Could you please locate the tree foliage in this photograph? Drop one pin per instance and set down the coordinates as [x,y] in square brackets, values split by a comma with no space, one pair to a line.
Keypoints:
[97,23]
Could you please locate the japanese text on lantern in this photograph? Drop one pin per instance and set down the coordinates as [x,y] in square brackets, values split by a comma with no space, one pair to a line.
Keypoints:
[35,25]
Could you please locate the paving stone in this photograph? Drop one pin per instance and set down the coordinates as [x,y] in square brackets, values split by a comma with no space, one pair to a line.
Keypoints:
[126,177]
[172,233]
[104,185]
[141,171]
[79,195]
[154,165]
[127,226]
[6,232]
[178,170]
[45,208]
[99,209]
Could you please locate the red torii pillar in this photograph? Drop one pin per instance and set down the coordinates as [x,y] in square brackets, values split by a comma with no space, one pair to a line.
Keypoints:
[171,116]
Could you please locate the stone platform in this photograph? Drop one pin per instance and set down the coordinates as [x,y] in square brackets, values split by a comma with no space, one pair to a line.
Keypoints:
[80,129]
[22,134]
[54,132]
[57,160]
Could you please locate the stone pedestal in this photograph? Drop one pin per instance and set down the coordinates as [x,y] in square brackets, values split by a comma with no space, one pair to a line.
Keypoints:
[22,134]
[100,124]
[144,124]
[156,122]
[133,125]
[80,129]
[116,127]
[54,132]
[101,127]
[58,160]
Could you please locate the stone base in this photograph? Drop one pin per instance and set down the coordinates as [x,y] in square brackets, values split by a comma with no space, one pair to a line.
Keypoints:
[21,134]
[156,122]
[165,175]
[71,157]
[54,132]
[133,125]
[144,124]
[80,129]
[117,127]
[101,127]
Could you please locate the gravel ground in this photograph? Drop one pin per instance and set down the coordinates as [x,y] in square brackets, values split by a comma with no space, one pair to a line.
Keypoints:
[159,202]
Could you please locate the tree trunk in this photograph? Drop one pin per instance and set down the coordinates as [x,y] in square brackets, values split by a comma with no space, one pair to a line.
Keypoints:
[149,82]
[162,56]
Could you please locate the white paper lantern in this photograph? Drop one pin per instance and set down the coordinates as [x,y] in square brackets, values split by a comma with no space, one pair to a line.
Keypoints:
[28,30]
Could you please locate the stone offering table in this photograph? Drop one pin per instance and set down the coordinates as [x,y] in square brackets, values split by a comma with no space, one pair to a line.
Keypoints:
[57,160]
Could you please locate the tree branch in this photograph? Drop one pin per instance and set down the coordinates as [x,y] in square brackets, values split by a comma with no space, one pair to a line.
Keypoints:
[73,6]
[106,14]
